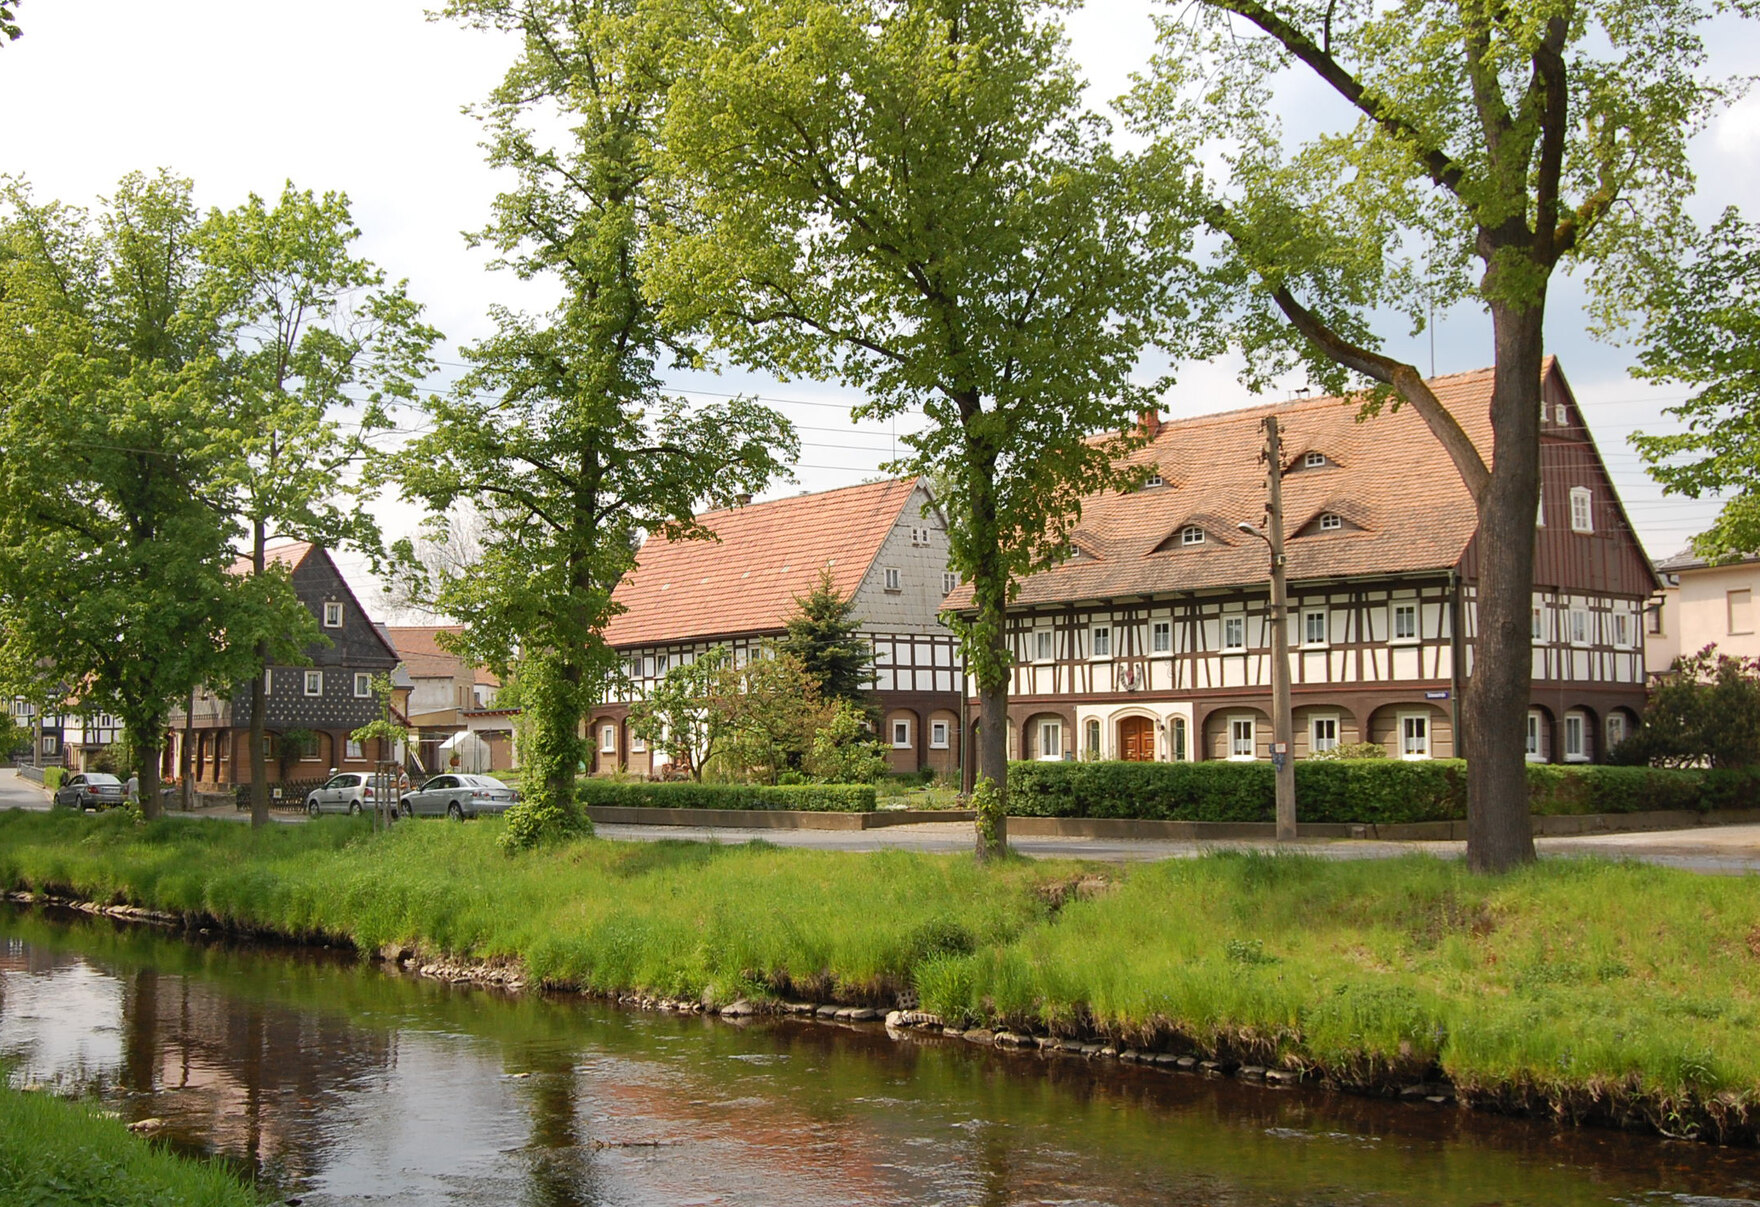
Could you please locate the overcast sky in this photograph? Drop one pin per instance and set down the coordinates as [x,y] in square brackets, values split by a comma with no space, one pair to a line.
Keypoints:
[365,96]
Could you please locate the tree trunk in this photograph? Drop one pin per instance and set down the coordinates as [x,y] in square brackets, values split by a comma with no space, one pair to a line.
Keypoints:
[148,754]
[1498,691]
[992,671]
[185,765]
[259,761]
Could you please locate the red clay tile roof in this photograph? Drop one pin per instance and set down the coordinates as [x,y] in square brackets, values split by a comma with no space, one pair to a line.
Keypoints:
[424,658]
[766,554]
[1405,506]
[290,555]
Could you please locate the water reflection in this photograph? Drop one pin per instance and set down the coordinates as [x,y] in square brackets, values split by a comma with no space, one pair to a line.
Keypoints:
[342,1084]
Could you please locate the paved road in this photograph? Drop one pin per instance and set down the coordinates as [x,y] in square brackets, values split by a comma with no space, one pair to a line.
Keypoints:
[1729,850]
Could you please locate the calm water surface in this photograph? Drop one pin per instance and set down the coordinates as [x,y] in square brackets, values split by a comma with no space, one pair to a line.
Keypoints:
[337,1083]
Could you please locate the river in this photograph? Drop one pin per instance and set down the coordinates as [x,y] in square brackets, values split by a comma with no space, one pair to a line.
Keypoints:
[336,1082]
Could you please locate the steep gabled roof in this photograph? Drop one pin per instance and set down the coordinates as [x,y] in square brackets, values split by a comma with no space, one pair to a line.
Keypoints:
[295,555]
[765,555]
[1390,478]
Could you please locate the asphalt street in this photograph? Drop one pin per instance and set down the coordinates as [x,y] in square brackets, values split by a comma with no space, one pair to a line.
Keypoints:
[1726,850]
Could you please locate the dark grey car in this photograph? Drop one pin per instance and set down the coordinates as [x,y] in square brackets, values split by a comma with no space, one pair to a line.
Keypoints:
[459,796]
[92,790]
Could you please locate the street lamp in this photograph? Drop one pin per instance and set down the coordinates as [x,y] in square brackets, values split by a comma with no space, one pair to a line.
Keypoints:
[1281,721]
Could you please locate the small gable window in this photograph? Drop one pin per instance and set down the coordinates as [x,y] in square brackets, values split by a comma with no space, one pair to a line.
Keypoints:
[1561,414]
[1154,479]
[1582,511]
[1331,522]
[894,579]
[1313,460]
[1191,534]
[332,615]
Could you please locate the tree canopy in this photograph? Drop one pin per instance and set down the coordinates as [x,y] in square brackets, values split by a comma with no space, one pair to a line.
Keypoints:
[1466,151]
[909,198]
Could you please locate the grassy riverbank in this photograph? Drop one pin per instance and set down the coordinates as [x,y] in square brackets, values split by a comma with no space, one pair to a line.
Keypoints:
[53,1151]
[1585,987]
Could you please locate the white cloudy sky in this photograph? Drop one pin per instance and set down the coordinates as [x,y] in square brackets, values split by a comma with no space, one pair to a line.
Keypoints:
[365,96]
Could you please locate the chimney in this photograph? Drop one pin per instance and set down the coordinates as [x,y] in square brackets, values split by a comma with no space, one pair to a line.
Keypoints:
[1151,422]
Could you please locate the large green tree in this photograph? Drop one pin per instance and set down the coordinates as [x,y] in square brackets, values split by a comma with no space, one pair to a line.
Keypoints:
[114,537]
[561,432]
[1466,151]
[306,328]
[909,198]
[1702,329]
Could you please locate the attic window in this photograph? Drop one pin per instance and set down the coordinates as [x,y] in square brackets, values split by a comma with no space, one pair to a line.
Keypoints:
[919,536]
[1582,515]
[1561,414]
[332,615]
[1191,534]
[894,579]
[1331,522]
[1154,479]
[1313,460]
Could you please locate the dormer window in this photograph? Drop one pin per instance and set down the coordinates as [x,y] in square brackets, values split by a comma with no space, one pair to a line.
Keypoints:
[1154,479]
[1331,522]
[1313,460]
[332,614]
[1191,534]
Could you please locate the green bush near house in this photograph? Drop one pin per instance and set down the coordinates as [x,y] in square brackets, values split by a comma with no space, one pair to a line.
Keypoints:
[52,777]
[810,798]
[1365,791]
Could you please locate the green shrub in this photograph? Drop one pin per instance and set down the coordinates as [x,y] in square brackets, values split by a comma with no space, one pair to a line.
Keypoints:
[52,777]
[1367,791]
[811,798]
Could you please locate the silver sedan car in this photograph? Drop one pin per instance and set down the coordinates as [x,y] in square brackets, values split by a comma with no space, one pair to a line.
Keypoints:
[93,790]
[459,796]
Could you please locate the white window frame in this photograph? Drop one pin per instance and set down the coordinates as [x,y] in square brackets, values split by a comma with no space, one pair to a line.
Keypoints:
[1579,626]
[1161,637]
[49,743]
[1100,635]
[1313,460]
[949,582]
[1394,612]
[1316,740]
[1308,619]
[1050,745]
[939,733]
[363,685]
[1239,727]
[901,733]
[1537,624]
[893,577]
[1582,509]
[332,614]
[1561,414]
[1401,736]
[1094,734]
[352,750]
[1615,729]
[1178,750]
[1044,645]
[316,677]
[662,664]
[1622,630]
[1576,734]
[1331,521]
[1237,622]
[608,739]
[1540,505]
[1531,748]
[638,745]
[1192,534]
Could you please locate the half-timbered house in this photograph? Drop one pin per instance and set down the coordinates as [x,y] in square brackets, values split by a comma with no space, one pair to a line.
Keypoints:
[1151,640]
[330,697]
[886,548]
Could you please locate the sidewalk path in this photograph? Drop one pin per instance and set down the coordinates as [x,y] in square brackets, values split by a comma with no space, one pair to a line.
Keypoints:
[1726,850]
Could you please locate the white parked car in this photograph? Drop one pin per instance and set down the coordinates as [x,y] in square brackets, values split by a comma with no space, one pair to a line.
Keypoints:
[350,792]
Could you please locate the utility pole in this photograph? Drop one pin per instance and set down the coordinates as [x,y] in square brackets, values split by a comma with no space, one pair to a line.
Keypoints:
[1282,749]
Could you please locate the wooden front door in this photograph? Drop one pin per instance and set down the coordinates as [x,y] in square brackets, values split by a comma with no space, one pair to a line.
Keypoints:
[1136,740]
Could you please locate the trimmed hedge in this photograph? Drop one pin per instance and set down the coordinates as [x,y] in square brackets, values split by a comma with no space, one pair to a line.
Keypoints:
[1368,791]
[809,798]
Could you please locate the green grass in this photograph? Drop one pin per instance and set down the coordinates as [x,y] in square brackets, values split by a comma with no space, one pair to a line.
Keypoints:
[67,1153]
[1586,983]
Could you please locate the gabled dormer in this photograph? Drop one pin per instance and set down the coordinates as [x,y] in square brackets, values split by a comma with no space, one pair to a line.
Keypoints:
[1310,459]
[1195,534]
[1334,517]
